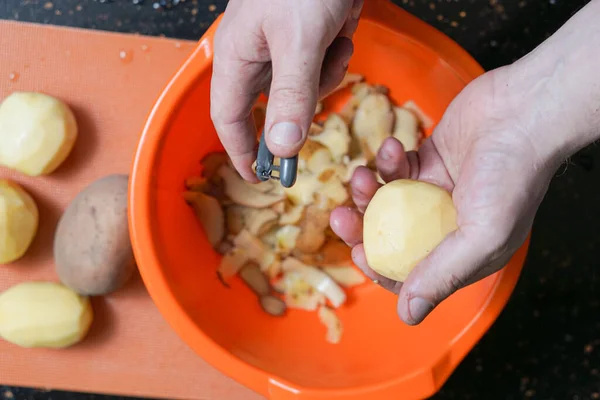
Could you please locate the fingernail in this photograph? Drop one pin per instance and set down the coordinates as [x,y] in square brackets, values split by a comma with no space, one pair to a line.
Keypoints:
[346,61]
[285,134]
[419,308]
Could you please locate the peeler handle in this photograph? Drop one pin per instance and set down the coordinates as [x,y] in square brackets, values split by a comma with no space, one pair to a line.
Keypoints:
[288,170]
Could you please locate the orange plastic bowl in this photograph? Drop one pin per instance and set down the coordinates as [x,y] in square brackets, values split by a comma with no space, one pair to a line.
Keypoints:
[379,357]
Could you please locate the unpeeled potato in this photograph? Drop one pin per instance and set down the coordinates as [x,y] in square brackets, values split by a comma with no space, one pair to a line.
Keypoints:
[37,133]
[92,249]
[44,314]
[19,218]
[403,223]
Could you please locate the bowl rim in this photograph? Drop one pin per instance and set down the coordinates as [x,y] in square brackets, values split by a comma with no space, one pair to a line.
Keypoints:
[425,381]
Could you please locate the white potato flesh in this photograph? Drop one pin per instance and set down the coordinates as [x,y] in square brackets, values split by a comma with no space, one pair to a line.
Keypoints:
[406,128]
[19,218]
[373,123]
[403,223]
[37,133]
[44,314]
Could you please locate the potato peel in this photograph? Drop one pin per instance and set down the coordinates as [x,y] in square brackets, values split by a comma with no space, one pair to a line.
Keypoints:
[273,305]
[314,129]
[335,137]
[210,214]
[212,162]
[333,324]
[255,279]
[303,191]
[255,249]
[348,80]
[334,253]
[241,193]
[312,226]
[232,262]
[259,221]
[335,191]
[278,239]
[373,123]
[318,279]
[406,128]
[298,293]
[352,165]
[292,216]
[346,276]
[424,120]
[314,157]
[287,237]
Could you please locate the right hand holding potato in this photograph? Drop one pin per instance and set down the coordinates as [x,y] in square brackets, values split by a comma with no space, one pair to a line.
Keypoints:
[497,178]
[495,149]
[293,51]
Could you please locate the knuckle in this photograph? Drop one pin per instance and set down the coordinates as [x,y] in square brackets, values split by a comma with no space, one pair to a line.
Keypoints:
[289,95]
[451,283]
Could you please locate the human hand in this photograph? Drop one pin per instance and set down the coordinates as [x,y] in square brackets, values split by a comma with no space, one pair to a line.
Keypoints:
[293,51]
[482,153]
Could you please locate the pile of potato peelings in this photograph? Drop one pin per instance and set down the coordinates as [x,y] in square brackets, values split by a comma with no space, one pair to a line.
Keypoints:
[278,240]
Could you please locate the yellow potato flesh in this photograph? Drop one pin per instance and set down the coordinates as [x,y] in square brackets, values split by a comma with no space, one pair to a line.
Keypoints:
[44,314]
[403,223]
[37,133]
[19,218]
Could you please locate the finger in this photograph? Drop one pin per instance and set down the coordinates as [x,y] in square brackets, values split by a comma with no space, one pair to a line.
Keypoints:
[431,166]
[347,223]
[360,260]
[335,65]
[293,95]
[413,164]
[235,85]
[449,267]
[363,186]
[351,24]
[391,160]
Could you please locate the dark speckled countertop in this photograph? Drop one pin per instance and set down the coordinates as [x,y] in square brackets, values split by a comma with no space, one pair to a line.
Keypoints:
[546,343]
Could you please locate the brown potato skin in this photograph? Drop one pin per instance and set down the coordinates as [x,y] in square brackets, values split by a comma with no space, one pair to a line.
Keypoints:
[92,249]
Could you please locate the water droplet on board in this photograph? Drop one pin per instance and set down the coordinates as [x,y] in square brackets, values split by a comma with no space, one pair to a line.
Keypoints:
[13,76]
[125,56]
[177,44]
[145,48]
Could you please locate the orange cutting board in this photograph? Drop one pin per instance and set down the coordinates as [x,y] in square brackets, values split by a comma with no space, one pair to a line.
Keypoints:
[111,81]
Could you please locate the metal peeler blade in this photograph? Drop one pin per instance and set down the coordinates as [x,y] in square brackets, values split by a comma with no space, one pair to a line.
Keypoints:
[288,168]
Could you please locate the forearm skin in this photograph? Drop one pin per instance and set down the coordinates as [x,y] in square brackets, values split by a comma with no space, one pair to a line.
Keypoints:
[555,89]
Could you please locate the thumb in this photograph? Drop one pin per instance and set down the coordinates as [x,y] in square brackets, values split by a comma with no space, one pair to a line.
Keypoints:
[292,97]
[456,262]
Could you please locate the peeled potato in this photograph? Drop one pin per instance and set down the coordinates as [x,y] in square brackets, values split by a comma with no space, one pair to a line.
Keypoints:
[44,314]
[405,221]
[37,133]
[19,219]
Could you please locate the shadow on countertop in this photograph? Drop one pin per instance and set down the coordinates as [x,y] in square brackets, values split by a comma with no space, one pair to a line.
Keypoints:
[546,343]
